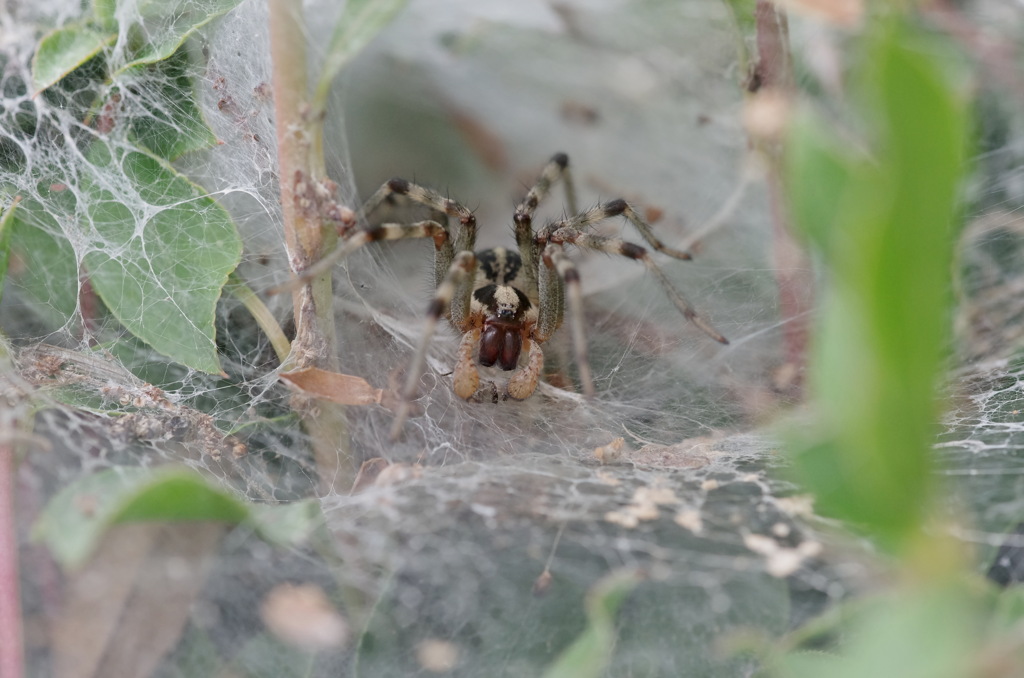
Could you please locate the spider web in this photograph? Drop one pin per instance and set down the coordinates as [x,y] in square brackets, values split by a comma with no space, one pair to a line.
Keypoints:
[444,551]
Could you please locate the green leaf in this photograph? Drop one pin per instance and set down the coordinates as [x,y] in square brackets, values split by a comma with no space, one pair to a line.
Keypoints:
[287,524]
[360,22]
[160,28]
[817,172]
[6,227]
[173,124]
[589,655]
[75,520]
[62,51]
[161,271]
[886,230]
[47,268]
[927,633]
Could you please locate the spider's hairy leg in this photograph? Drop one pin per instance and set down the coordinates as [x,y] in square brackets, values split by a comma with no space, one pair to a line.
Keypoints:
[523,383]
[557,168]
[357,239]
[453,294]
[638,253]
[616,208]
[465,238]
[555,257]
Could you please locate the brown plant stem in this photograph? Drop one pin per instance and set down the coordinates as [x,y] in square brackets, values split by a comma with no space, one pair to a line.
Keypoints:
[773,72]
[306,240]
[11,652]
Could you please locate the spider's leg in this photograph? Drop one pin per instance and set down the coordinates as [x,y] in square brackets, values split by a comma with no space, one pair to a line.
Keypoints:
[616,208]
[628,249]
[465,237]
[557,168]
[452,295]
[556,259]
[421,229]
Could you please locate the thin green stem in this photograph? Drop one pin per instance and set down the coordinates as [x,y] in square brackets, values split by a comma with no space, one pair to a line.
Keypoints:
[261,314]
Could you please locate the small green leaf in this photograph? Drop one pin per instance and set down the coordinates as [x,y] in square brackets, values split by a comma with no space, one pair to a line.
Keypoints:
[164,25]
[360,22]
[161,271]
[62,51]
[589,655]
[173,124]
[103,12]
[287,524]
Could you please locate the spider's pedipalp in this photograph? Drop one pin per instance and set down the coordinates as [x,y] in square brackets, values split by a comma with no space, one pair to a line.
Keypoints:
[523,383]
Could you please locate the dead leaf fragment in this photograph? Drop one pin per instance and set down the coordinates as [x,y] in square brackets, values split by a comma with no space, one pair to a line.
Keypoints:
[396,474]
[610,453]
[845,13]
[344,389]
[767,113]
[301,615]
[437,656]
[542,583]
[781,561]
[690,519]
[368,473]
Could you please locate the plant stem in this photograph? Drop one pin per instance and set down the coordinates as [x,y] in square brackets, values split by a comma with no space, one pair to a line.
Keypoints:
[793,273]
[261,314]
[315,343]
[11,654]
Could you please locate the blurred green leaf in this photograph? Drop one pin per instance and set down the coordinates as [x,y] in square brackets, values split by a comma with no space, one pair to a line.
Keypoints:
[818,173]
[923,633]
[589,655]
[161,272]
[885,228]
[62,51]
[1007,614]
[76,518]
[360,22]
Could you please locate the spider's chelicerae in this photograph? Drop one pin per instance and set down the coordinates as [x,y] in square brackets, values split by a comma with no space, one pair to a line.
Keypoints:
[507,304]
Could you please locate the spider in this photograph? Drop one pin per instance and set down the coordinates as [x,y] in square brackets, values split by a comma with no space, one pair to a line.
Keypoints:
[506,304]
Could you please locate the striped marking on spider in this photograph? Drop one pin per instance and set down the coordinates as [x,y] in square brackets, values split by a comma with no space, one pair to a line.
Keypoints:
[506,303]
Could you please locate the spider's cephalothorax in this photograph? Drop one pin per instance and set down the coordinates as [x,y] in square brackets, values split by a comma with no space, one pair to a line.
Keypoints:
[506,309]
[506,305]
